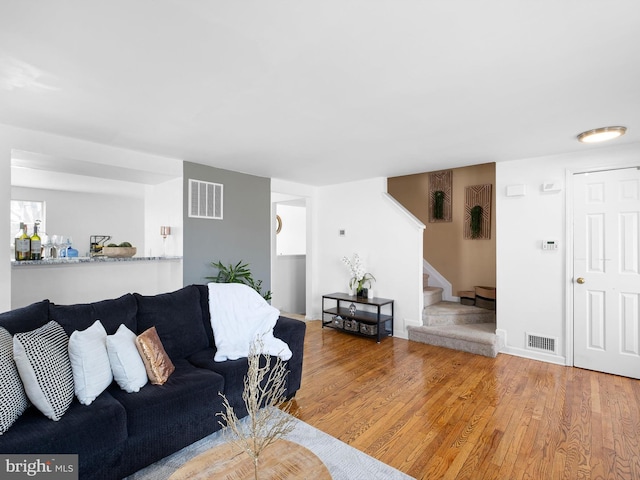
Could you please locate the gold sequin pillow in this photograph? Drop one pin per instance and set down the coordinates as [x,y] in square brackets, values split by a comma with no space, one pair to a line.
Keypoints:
[156,361]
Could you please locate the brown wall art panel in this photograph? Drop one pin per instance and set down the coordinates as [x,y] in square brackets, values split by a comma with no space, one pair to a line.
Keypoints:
[440,194]
[477,212]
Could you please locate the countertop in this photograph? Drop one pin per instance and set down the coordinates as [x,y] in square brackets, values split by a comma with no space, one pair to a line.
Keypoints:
[78,260]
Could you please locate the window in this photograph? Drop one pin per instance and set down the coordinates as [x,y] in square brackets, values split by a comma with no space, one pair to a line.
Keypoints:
[27,211]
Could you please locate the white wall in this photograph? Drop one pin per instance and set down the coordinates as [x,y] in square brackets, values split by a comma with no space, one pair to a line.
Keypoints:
[533,286]
[80,215]
[289,293]
[91,282]
[292,239]
[163,206]
[5,220]
[388,238]
[388,241]
[65,147]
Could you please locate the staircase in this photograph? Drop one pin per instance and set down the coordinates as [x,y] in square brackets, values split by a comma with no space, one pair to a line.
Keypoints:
[459,327]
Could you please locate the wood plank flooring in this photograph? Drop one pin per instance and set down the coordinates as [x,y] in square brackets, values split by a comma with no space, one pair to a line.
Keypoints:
[435,413]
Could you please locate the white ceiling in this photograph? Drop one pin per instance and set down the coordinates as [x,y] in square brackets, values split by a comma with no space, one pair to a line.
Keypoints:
[324,91]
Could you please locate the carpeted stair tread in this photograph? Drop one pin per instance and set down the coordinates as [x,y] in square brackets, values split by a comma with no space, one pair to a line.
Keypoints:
[432,295]
[453,313]
[476,332]
[478,338]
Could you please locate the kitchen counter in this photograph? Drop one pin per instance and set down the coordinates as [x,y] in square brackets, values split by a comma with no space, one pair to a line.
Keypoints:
[67,281]
[76,260]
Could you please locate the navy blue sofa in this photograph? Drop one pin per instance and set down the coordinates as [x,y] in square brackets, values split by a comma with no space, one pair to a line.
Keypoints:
[120,433]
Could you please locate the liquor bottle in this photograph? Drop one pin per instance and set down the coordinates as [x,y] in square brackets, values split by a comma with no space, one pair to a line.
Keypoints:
[36,244]
[23,244]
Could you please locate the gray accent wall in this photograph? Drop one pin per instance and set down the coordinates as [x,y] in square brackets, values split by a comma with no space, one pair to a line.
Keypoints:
[244,233]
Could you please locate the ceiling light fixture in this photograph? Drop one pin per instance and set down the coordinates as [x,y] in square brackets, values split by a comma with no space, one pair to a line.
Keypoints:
[601,134]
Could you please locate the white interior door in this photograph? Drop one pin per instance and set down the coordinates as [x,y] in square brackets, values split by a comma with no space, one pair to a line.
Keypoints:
[606,281]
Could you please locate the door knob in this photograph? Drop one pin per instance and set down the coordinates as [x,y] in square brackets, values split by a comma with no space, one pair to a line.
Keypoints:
[580,280]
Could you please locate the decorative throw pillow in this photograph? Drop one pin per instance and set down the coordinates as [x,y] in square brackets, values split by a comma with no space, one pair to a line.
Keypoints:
[90,362]
[13,399]
[156,361]
[42,358]
[126,364]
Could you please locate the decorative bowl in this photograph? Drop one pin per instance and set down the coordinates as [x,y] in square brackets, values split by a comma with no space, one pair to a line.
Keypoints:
[119,252]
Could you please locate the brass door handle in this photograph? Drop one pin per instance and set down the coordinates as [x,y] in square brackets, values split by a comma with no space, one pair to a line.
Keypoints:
[580,280]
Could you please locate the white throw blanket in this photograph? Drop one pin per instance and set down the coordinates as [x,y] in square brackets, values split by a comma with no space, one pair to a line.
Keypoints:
[240,316]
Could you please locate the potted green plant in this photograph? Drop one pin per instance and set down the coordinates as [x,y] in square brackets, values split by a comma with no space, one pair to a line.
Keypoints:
[476,221]
[438,205]
[238,273]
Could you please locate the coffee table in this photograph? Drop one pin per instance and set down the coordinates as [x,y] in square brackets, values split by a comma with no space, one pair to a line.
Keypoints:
[280,460]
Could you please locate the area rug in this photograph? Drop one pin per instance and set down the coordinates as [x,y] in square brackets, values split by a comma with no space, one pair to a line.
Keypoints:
[342,461]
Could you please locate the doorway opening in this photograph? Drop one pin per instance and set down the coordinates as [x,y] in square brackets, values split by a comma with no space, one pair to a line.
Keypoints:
[289,254]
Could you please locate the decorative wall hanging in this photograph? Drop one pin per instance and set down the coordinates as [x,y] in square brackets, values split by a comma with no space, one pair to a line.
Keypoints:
[440,191]
[477,212]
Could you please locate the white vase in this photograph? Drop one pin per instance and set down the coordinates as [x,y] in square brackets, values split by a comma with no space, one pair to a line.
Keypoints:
[370,293]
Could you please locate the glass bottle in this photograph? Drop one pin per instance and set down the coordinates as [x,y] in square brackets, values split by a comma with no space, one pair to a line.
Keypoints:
[71,252]
[23,244]
[36,244]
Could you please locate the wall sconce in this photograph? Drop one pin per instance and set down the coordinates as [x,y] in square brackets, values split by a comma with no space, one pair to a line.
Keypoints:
[165,231]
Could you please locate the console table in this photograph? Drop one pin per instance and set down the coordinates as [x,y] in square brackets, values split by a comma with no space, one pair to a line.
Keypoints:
[369,317]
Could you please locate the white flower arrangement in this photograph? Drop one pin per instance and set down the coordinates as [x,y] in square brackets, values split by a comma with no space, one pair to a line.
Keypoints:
[360,278]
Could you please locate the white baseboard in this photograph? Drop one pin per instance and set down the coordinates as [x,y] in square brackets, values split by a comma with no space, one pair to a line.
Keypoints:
[401,333]
[539,356]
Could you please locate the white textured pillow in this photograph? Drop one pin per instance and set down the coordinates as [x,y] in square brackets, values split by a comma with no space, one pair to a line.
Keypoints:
[126,363]
[90,362]
[42,358]
[13,399]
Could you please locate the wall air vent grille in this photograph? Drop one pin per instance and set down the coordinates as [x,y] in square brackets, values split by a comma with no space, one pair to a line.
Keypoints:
[541,343]
[205,200]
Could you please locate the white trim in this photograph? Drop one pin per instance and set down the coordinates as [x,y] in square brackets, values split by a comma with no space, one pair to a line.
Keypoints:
[415,220]
[437,280]
[542,357]
[568,341]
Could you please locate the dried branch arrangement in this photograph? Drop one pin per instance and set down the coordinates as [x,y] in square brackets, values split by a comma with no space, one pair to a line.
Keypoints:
[264,387]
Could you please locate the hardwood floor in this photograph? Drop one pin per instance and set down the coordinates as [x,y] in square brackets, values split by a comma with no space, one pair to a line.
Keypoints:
[435,413]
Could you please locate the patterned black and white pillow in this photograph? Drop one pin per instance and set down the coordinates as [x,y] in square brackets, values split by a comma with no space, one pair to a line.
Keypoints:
[13,399]
[42,358]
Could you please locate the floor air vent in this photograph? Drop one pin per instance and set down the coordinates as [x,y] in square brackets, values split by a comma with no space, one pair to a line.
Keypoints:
[541,343]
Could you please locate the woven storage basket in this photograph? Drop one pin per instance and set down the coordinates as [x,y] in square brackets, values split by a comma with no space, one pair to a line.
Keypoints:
[369,329]
[486,297]
[486,292]
[352,325]
[467,297]
[337,321]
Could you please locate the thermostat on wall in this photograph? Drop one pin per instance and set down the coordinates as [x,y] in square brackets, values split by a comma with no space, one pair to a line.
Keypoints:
[549,245]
